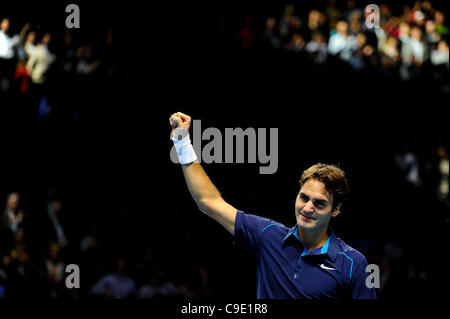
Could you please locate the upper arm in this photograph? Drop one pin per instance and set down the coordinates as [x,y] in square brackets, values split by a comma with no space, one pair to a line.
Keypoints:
[220,211]
[358,287]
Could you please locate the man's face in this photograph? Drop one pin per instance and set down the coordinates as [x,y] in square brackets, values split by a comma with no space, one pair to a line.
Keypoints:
[13,202]
[4,25]
[313,206]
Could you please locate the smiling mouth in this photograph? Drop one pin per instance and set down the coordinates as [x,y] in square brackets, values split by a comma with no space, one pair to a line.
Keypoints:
[307,217]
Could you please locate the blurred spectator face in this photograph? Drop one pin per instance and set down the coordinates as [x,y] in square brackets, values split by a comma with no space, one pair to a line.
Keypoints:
[416,34]
[289,10]
[392,42]
[31,37]
[270,23]
[442,152]
[13,202]
[443,46]
[314,18]
[46,38]
[406,9]
[318,38]
[419,17]
[360,40]
[384,10]
[57,207]
[350,4]
[79,52]
[426,5]
[429,26]
[294,24]
[404,29]
[355,26]
[4,25]
[368,50]
[341,27]
[439,17]
[355,15]
[297,41]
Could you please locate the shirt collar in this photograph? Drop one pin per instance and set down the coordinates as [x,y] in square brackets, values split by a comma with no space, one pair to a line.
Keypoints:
[329,248]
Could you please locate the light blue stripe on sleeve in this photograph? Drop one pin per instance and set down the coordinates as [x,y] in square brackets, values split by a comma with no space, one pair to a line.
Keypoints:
[351,266]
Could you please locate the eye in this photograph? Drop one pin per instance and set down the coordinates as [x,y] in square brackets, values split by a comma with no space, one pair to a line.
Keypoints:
[320,205]
[304,197]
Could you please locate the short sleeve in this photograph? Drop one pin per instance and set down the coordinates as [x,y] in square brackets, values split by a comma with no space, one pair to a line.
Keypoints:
[248,228]
[358,287]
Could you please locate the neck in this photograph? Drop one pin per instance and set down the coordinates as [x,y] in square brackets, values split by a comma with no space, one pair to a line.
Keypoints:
[313,238]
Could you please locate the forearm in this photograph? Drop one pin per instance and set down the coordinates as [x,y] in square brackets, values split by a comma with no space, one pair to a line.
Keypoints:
[203,191]
[199,184]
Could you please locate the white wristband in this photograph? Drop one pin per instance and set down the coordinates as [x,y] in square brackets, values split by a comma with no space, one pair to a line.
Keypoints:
[185,151]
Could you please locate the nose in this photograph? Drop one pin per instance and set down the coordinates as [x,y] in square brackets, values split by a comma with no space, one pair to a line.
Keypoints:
[309,207]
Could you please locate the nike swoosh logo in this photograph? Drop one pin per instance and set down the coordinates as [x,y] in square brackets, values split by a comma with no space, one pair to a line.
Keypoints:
[325,267]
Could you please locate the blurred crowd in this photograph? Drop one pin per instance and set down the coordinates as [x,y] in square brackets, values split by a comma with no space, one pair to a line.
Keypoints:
[40,238]
[419,189]
[406,45]
[41,235]
[39,74]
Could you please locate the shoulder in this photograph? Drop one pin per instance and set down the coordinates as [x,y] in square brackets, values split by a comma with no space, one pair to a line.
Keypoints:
[259,224]
[351,253]
[250,230]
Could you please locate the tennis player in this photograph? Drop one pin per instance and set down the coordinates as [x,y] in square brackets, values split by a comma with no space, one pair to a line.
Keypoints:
[306,261]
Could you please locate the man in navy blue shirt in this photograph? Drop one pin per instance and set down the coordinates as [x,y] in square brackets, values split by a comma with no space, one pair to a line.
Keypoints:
[306,261]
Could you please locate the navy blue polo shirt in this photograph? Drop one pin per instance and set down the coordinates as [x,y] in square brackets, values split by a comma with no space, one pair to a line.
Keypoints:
[285,269]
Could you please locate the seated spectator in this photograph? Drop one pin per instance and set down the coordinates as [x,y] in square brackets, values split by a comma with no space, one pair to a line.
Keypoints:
[316,23]
[116,285]
[13,216]
[318,48]
[158,286]
[297,44]
[333,14]
[417,46]
[432,37]
[53,228]
[392,27]
[289,23]
[55,268]
[40,60]
[7,44]
[270,38]
[340,41]
[246,35]
[390,50]
[27,43]
[439,19]
[24,280]
[440,55]
[351,11]
[412,54]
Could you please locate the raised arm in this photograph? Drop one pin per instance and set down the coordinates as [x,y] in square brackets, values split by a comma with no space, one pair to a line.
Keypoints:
[203,191]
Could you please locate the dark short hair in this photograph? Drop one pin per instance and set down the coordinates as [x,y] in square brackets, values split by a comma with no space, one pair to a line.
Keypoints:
[333,178]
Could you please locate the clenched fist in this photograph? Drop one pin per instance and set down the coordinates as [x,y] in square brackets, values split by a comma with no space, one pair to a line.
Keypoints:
[180,123]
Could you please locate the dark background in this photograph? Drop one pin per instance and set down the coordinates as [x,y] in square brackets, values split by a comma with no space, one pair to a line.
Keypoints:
[104,149]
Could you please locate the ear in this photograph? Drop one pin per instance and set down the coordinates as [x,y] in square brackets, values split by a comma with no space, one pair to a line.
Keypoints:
[336,211]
